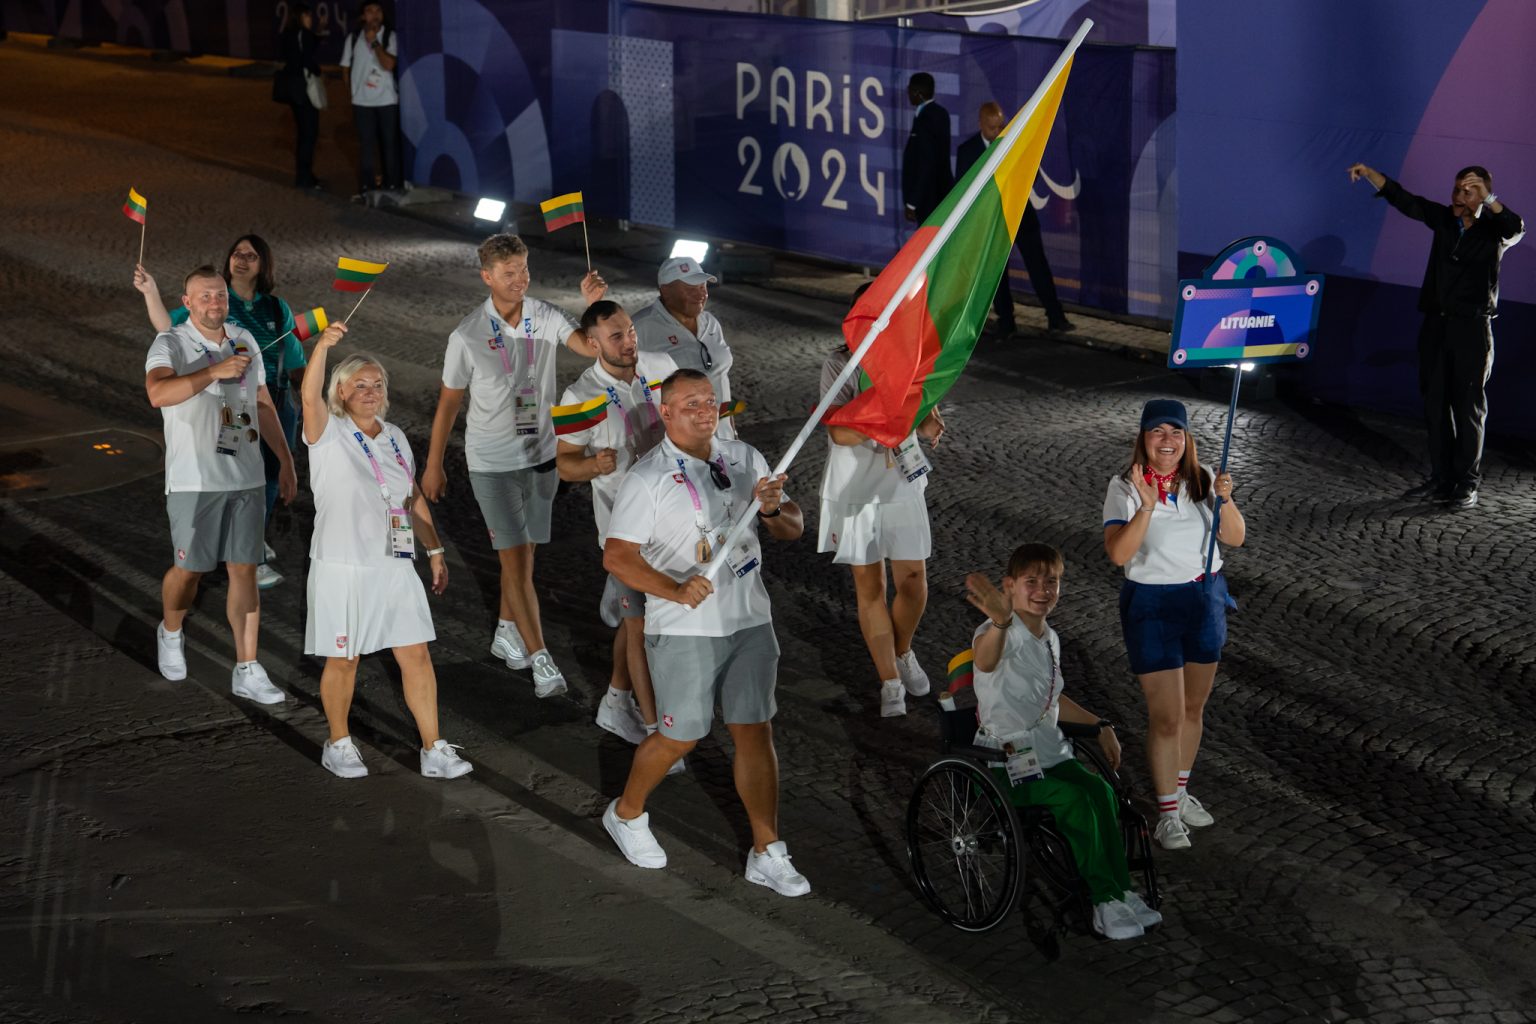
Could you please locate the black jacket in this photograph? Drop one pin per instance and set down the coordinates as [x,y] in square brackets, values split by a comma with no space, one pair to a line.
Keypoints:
[970,152]
[925,174]
[1462,277]
[298,49]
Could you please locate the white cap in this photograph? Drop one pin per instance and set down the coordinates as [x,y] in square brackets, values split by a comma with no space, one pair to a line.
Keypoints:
[685,269]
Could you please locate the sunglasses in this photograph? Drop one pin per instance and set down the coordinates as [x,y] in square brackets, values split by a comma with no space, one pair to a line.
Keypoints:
[719,476]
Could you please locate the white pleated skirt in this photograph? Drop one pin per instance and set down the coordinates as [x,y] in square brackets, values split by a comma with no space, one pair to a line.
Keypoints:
[359,609]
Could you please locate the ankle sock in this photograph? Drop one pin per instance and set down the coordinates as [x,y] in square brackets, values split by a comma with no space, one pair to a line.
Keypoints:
[615,694]
[1168,805]
[170,633]
[245,665]
[505,624]
[1183,782]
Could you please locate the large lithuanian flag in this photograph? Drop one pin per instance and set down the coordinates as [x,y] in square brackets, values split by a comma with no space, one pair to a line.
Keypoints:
[931,334]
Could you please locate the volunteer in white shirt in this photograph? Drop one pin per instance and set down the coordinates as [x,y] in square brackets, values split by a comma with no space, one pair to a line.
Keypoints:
[368,60]
[1157,524]
[607,419]
[364,594]
[207,379]
[1019,703]
[704,643]
[503,354]
[874,510]
[681,334]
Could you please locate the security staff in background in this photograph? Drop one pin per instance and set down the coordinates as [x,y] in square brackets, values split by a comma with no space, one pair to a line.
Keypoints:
[926,177]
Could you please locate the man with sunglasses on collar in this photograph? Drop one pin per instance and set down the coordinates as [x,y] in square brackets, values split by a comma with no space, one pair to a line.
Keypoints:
[704,642]
[676,329]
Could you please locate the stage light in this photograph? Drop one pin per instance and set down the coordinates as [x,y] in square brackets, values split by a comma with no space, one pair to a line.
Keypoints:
[1247,367]
[490,209]
[690,249]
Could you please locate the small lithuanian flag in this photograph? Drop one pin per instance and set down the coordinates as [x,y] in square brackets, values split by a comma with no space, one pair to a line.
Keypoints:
[580,415]
[562,211]
[356,275]
[732,408]
[310,323]
[136,207]
[962,670]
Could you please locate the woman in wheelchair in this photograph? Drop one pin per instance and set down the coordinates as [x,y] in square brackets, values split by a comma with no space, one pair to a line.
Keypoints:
[1019,701]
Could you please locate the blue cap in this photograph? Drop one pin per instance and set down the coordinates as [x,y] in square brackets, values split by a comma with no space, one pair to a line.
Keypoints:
[1164,410]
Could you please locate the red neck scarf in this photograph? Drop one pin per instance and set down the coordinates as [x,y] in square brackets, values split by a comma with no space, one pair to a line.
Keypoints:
[1166,485]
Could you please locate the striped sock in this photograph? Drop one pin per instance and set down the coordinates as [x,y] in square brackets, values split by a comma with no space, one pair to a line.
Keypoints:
[1168,805]
[1183,782]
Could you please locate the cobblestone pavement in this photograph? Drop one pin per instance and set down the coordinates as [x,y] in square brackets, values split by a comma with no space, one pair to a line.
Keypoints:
[1364,757]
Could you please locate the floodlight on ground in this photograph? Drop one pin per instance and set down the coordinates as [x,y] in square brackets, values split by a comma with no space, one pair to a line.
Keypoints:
[690,249]
[1246,367]
[490,209]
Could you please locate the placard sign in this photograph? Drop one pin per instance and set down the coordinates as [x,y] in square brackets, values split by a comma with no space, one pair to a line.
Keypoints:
[1254,305]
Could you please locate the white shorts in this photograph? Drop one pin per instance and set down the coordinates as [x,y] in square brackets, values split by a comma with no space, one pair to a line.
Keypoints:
[866,534]
[359,609]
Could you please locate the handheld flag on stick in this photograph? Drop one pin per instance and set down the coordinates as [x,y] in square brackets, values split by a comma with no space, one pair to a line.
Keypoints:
[962,670]
[579,416]
[936,292]
[309,324]
[356,276]
[732,408]
[137,209]
[563,211]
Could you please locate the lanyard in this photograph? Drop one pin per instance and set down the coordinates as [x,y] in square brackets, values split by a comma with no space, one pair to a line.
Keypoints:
[501,346]
[629,428]
[1050,693]
[693,494]
[650,399]
[378,474]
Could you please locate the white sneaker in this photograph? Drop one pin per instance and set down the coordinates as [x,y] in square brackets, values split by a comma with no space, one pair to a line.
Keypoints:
[772,868]
[547,680]
[509,647]
[912,675]
[267,554]
[1171,834]
[634,838]
[1145,915]
[678,767]
[893,699]
[251,682]
[1192,812]
[1115,920]
[443,762]
[621,717]
[342,759]
[170,652]
[267,577]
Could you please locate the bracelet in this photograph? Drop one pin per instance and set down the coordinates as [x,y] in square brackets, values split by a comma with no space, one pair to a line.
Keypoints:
[1490,199]
[434,552]
[1004,626]
[1145,509]
[770,515]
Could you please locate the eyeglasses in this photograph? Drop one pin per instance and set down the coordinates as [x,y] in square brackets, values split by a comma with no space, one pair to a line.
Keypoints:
[243,256]
[721,478]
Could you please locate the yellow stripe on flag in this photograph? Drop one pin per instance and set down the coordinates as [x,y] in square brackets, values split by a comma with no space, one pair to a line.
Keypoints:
[134,197]
[577,408]
[559,201]
[359,266]
[1013,187]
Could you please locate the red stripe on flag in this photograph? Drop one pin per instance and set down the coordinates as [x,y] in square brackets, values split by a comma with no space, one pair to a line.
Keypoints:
[564,222]
[351,286]
[134,215]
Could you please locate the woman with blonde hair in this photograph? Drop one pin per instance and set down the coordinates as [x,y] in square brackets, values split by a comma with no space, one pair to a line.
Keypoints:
[364,594]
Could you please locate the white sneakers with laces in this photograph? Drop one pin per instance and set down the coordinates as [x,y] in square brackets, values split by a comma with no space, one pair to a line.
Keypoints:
[1145,915]
[634,838]
[509,647]
[342,759]
[912,675]
[266,576]
[251,682]
[893,699]
[1192,812]
[442,761]
[1171,833]
[772,868]
[547,680]
[621,716]
[1114,920]
[170,653]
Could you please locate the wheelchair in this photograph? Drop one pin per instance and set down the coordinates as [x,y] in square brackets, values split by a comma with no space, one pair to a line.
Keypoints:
[975,856]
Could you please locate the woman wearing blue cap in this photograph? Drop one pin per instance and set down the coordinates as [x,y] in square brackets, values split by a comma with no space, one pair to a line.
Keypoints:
[1157,525]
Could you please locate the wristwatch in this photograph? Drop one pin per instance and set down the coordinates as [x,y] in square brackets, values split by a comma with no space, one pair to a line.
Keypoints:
[433,552]
[1105,723]
[770,515]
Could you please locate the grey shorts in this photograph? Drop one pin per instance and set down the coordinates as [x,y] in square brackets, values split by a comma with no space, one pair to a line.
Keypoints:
[516,504]
[690,673]
[621,601]
[209,527]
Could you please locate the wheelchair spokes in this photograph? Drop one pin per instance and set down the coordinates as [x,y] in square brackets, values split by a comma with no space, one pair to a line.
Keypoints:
[962,839]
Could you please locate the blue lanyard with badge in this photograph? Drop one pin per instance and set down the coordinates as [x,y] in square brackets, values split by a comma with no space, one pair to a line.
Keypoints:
[1023,764]
[402,539]
[525,396]
[233,427]
[746,555]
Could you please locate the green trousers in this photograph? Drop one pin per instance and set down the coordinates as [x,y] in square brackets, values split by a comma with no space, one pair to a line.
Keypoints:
[1086,812]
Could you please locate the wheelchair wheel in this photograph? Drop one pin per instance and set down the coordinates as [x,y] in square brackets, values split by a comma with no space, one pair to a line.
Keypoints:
[963,840]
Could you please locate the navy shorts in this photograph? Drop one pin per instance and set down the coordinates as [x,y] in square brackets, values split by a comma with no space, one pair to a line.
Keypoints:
[1167,625]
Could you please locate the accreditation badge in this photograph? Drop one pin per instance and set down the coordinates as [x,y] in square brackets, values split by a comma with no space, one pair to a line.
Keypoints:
[745,555]
[1023,763]
[525,411]
[402,539]
[911,463]
[228,440]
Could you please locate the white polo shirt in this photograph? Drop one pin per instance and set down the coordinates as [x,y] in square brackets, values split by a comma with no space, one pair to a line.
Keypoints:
[491,442]
[1022,696]
[655,510]
[1173,551]
[674,347]
[372,86]
[632,428]
[350,511]
[192,462]
[864,473]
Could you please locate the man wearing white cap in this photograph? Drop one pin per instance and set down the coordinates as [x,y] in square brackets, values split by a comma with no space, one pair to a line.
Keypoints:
[678,328]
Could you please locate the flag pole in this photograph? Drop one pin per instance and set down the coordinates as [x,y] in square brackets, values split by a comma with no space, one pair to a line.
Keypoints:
[1226,448]
[586,242]
[367,293]
[143,227]
[994,157]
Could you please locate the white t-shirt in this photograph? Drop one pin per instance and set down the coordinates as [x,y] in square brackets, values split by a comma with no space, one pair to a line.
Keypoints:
[655,510]
[491,441]
[674,347]
[864,473]
[192,461]
[1022,696]
[372,86]
[351,515]
[632,428]
[1173,551]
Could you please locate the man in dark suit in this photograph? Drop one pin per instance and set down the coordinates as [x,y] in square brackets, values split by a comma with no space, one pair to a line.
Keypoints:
[1030,245]
[925,175]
